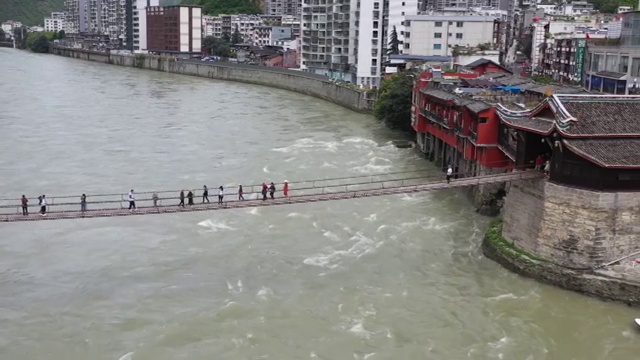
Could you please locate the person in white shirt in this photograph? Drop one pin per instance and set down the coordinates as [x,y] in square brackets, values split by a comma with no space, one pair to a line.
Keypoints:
[132,201]
[43,206]
[449,174]
[220,194]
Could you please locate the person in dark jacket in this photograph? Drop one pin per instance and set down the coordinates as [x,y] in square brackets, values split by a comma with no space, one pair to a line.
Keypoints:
[264,191]
[272,190]
[190,197]
[181,198]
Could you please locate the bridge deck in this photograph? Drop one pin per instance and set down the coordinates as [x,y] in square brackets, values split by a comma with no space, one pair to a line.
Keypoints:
[312,194]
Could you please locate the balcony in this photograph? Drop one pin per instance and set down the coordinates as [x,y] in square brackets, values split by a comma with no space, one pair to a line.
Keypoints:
[473,136]
[433,117]
[508,146]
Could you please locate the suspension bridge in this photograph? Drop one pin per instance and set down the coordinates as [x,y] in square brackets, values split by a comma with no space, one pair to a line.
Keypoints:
[310,191]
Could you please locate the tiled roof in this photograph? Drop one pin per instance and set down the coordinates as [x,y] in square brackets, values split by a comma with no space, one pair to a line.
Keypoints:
[478,106]
[439,94]
[478,82]
[602,118]
[479,62]
[537,125]
[613,153]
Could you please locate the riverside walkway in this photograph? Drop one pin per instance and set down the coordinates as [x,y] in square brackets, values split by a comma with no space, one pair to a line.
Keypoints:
[110,205]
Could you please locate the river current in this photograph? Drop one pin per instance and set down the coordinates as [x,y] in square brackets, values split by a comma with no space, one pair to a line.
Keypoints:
[395,277]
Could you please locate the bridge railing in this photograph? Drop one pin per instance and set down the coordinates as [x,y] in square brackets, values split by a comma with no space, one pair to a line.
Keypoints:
[251,192]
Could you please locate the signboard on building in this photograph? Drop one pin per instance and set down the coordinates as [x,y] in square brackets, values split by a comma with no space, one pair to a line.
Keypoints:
[581,50]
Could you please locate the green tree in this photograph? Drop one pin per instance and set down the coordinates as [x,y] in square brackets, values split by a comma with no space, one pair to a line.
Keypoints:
[215,7]
[394,43]
[236,37]
[61,34]
[40,42]
[393,106]
[216,46]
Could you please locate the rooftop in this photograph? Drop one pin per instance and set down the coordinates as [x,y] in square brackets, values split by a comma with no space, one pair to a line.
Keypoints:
[449,18]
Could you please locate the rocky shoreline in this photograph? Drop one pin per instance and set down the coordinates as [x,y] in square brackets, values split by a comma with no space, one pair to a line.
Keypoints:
[619,283]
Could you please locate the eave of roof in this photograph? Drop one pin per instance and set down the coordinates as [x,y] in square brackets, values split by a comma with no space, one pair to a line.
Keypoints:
[535,125]
[607,153]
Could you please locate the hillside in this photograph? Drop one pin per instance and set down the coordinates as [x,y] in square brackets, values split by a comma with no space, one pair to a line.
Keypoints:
[29,12]
[610,6]
[215,7]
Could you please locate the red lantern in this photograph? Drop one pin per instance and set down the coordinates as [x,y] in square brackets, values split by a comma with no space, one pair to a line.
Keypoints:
[535,19]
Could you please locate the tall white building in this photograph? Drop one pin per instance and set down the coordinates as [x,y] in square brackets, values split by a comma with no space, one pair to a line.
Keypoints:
[55,22]
[398,10]
[439,35]
[345,39]
[103,17]
[140,24]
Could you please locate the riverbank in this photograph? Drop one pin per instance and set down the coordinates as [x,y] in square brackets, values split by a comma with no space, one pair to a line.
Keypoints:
[300,82]
[620,282]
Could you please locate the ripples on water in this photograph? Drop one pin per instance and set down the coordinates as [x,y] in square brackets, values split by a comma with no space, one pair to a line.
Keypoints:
[397,277]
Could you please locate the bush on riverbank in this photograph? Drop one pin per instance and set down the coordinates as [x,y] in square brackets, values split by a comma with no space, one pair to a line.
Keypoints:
[393,106]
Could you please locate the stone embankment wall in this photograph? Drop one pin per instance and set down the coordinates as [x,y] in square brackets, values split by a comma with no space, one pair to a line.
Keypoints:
[602,284]
[573,227]
[565,236]
[301,82]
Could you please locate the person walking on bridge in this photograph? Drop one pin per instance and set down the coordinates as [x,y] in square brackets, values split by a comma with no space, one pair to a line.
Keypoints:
[285,188]
[240,193]
[220,194]
[43,206]
[449,174]
[264,191]
[154,197]
[25,206]
[205,194]
[190,197]
[83,203]
[132,200]
[272,190]
[181,198]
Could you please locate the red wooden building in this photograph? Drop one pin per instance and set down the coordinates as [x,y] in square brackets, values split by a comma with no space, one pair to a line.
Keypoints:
[457,131]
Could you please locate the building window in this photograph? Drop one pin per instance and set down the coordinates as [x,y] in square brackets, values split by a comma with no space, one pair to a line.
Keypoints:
[375,33]
[402,13]
[407,34]
[406,45]
[374,62]
[635,67]
[459,24]
[376,5]
[624,64]
[458,35]
[375,24]
[437,36]
[438,24]
[403,3]
[437,46]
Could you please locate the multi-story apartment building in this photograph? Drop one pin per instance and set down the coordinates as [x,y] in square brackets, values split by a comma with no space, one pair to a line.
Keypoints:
[218,26]
[101,17]
[345,39]
[439,35]
[440,5]
[174,30]
[283,7]
[563,59]
[613,65]
[55,22]
[140,24]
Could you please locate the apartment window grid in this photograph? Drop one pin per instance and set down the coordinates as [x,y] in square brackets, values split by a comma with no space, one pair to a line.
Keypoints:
[437,35]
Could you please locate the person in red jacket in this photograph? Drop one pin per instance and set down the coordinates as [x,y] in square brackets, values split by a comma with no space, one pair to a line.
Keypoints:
[285,188]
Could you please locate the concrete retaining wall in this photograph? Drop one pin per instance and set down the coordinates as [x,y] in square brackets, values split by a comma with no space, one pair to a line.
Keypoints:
[305,83]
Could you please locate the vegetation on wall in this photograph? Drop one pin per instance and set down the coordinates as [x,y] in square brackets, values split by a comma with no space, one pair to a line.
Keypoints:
[215,7]
[393,106]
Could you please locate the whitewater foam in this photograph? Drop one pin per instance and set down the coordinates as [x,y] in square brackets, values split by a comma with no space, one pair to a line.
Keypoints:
[127,356]
[264,293]
[372,217]
[254,211]
[375,165]
[309,145]
[215,226]
[361,247]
